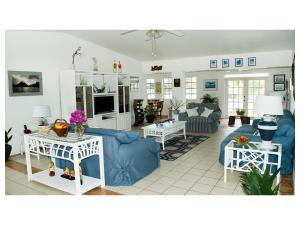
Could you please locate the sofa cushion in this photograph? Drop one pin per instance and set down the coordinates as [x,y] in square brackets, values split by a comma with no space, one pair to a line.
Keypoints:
[192,112]
[206,112]
[285,128]
[122,136]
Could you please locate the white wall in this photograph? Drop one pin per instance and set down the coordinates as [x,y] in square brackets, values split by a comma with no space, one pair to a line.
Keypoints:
[49,53]
[180,67]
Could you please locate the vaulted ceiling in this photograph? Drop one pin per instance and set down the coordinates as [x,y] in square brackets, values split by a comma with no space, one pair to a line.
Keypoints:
[194,42]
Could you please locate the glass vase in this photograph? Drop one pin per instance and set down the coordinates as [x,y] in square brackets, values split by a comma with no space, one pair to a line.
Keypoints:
[79,130]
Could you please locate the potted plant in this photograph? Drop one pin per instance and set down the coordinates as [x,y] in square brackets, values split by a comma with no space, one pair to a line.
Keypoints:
[150,113]
[7,146]
[175,105]
[240,112]
[207,98]
[255,183]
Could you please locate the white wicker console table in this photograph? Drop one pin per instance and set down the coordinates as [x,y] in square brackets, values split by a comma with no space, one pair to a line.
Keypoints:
[243,159]
[165,131]
[70,148]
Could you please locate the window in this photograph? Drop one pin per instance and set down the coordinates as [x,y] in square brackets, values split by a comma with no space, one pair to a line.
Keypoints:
[167,88]
[191,87]
[150,89]
[134,84]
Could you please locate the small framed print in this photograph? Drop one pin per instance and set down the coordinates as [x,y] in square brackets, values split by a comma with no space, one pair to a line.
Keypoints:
[176,82]
[279,78]
[238,62]
[225,63]
[213,64]
[279,87]
[252,61]
[210,85]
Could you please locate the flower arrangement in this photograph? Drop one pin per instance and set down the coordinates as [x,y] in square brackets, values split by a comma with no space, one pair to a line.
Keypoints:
[241,141]
[78,118]
[240,111]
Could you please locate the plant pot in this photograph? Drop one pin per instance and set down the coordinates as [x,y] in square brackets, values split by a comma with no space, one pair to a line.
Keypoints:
[7,151]
[240,113]
[150,118]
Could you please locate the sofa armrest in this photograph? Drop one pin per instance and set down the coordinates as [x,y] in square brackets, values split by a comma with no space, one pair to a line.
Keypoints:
[215,116]
[183,116]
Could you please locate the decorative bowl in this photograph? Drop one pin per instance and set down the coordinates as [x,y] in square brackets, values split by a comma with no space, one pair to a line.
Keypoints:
[61,127]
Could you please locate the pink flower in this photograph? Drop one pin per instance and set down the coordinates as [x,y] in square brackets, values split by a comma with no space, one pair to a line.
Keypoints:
[78,117]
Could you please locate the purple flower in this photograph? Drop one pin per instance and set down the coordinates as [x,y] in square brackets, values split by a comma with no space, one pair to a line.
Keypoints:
[78,117]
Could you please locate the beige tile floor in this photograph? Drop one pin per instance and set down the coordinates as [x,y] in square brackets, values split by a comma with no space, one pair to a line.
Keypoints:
[198,172]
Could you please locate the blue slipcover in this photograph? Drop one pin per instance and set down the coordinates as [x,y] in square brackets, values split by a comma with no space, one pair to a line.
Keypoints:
[284,135]
[127,159]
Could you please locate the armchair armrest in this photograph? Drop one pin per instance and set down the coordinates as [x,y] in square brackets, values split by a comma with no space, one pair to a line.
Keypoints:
[183,116]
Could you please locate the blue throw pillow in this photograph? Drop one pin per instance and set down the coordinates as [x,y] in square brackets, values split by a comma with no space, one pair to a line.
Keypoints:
[133,135]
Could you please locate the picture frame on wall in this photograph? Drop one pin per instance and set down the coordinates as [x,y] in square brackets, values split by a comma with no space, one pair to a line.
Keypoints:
[177,82]
[25,83]
[279,78]
[225,63]
[238,62]
[210,85]
[252,61]
[158,88]
[279,86]
[213,63]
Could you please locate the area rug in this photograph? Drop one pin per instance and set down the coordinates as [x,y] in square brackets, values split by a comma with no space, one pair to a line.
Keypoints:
[178,146]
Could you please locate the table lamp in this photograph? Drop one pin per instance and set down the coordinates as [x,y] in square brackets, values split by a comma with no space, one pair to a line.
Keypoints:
[268,107]
[42,112]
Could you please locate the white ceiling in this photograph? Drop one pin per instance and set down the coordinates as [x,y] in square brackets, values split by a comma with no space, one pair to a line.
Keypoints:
[194,43]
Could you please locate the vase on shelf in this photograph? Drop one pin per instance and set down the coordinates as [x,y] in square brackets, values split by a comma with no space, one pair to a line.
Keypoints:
[79,130]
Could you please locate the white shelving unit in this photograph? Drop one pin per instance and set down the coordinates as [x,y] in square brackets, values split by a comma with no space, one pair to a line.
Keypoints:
[77,92]
[70,148]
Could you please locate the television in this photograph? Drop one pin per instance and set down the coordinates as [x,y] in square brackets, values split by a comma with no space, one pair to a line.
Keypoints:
[103,104]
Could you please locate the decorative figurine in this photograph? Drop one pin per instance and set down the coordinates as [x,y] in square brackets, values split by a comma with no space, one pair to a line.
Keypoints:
[119,67]
[66,172]
[115,66]
[51,168]
[77,52]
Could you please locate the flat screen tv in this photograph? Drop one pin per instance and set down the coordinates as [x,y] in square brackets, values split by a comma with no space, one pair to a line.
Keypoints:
[103,104]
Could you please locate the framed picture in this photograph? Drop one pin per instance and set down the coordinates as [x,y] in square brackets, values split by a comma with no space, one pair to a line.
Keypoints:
[158,88]
[176,82]
[213,64]
[238,62]
[210,85]
[279,87]
[252,61]
[279,78]
[25,83]
[225,63]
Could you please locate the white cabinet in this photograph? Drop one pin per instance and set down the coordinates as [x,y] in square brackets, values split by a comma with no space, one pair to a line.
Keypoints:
[108,109]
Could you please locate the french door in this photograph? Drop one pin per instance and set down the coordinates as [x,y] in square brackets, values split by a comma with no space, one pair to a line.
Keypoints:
[241,94]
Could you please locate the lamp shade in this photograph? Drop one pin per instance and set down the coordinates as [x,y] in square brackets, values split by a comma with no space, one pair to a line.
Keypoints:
[269,105]
[41,111]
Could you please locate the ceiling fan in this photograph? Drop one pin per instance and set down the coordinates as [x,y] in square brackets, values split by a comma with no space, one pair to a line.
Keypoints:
[152,35]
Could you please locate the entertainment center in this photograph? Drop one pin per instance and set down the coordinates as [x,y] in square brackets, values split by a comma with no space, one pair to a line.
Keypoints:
[105,97]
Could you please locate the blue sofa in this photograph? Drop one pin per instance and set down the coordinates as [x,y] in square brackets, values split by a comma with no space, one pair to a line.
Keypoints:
[284,135]
[199,123]
[127,158]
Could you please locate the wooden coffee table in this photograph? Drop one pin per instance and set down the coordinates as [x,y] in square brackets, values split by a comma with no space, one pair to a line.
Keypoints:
[165,131]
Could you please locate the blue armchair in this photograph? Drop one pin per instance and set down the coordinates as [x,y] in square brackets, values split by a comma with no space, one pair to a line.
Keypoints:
[284,135]
[127,158]
[199,123]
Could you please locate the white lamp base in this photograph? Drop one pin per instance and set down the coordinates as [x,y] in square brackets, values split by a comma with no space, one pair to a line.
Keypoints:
[267,145]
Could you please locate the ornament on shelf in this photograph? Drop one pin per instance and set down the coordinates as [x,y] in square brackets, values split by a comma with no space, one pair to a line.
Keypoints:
[77,52]
[95,64]
[115,66]
[119,67]
[51,168]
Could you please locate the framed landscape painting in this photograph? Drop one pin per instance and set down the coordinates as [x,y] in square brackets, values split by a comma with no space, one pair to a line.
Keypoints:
[210,85]
[25,83]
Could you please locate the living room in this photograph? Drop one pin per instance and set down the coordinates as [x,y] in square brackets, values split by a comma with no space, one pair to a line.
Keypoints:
[64,58]
[110,108]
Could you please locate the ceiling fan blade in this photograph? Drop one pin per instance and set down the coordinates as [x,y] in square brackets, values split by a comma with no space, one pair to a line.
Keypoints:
[127,32]
[175,32]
